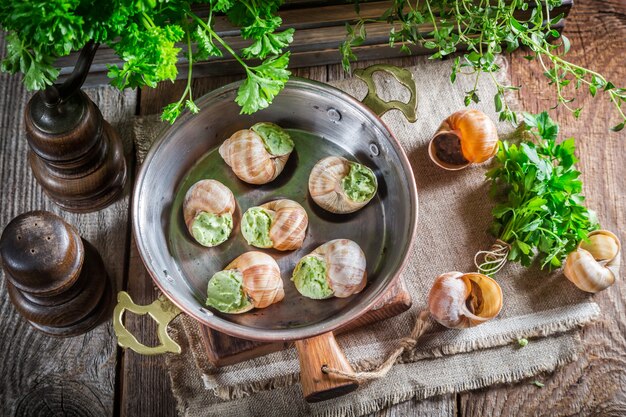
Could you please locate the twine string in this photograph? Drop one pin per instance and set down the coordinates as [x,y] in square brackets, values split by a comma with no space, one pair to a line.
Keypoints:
[421,326]
[493,259]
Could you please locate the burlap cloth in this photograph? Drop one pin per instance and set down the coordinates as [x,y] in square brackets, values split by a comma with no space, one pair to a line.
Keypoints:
[454,215]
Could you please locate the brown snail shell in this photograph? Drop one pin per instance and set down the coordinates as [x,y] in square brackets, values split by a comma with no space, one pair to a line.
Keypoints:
[289,223]
[261,278]
[458,300]
[325,186]
[245,153]
[594,265]
[465,137]
[345,266]
[208,196]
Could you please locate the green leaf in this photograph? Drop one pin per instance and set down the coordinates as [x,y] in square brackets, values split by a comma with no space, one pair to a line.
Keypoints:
[263,83]
[566,44]
[618,127]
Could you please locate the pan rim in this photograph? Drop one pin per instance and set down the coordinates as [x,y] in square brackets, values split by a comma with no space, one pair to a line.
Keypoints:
[274,335]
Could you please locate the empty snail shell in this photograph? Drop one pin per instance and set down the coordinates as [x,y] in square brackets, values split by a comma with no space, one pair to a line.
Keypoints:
[594,265]
[336,268]
[259,154]
[341,186]
[252,280]
[208,210]
[458,300]
[279,224]
[466,137]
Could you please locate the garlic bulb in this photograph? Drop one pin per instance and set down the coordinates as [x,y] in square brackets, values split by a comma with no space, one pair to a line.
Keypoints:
[594,265]
[336,268]
[341,186]
[208,210]
[465,137]
[252,280]
[458,300]
[279,224]
[259,154]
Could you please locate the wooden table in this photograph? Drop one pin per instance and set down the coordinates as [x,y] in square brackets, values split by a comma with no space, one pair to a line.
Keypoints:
[89,375]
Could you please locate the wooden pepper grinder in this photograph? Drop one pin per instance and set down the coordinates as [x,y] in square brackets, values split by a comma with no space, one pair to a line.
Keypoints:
[75,154]
[55,279]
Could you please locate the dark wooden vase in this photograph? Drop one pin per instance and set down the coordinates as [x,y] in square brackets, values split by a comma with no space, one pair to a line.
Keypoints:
[75,155]
[55,279]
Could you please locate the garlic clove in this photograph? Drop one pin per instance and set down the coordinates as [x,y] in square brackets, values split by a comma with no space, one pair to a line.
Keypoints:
[341,186]
[458,300]
[336,268]
[463,138]
[207,209]
[259,154]
[594,265]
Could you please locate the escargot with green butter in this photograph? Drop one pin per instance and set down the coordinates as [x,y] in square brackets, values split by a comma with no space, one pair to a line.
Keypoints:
[341,186]
[279,224]
[259,154]
[252,280]
[208,211]
[335,269]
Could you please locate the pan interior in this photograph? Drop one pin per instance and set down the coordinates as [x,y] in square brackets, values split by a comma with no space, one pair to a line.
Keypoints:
[323,121]
[197,264]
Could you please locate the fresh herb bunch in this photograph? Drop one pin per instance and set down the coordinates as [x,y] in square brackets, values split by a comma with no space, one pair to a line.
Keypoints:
[145,35]
[484,29]
[542,212]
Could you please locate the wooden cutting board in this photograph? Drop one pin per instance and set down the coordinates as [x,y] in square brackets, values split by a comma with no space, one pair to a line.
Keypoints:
[225,350]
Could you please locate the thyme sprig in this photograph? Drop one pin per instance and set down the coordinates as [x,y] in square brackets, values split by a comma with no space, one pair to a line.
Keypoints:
[484,29]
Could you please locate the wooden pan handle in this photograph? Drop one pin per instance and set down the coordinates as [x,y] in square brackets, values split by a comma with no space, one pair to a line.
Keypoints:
[314,353]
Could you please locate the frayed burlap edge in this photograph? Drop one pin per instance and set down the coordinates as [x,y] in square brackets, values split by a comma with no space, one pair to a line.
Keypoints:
[230,392]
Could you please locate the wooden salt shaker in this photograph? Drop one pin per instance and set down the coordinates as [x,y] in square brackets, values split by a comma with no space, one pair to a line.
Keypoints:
[75,155]
[55,279]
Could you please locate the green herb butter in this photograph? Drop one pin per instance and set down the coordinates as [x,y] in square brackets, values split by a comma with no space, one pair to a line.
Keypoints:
[210,229]
[276,140]
[225,292]
[309,277]
[255,227]
[360,183]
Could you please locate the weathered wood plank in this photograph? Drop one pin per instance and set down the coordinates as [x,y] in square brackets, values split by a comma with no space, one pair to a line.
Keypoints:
[593,385]
[40,372]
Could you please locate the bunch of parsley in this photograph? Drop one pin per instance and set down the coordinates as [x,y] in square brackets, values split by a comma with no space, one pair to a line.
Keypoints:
[541,209]
[149,36]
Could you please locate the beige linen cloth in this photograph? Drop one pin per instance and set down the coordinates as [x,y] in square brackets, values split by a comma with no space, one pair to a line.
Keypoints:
[454,215]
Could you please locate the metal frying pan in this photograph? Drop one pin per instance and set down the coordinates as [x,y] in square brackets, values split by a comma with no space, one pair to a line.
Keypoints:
[323,121]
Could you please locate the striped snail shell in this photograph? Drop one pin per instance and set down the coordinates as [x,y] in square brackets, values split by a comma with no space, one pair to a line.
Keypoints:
[207,209]
[329,180]
[284,227]
[594,265]
[259,154]
[458,300]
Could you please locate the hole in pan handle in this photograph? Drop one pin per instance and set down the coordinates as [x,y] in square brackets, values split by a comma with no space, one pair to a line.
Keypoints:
[378,105]
[161,310]
[314,353]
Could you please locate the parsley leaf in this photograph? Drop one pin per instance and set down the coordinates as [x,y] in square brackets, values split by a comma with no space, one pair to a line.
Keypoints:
[540,211]
[264,82]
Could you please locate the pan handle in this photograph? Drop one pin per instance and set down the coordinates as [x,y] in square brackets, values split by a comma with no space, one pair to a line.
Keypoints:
[378,105]
[314,353]
[161,310]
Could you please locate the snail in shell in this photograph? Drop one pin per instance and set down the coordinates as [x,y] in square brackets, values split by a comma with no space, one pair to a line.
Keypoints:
[466,137]
[252,280]
[279,224]
[259,154]
[334,269]
[594,265]
[341,186]
[208,210]
[458,300]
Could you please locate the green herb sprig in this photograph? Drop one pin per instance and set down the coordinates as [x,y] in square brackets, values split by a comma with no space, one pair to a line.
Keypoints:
[540,211]
[484,29]
[146,35]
